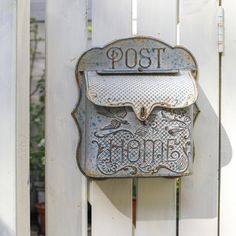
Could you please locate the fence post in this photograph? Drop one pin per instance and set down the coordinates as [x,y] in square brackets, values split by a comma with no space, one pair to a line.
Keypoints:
[199,192]
[66,192]
[23,118]
[14,125]
[156,197]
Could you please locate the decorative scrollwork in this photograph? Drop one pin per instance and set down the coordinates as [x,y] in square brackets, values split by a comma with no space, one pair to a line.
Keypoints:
[147,149]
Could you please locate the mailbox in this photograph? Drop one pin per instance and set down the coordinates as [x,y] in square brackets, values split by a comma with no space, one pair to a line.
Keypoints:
[135,109]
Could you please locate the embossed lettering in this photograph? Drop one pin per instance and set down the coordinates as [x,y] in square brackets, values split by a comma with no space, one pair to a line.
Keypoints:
[145,60]
[131,55]
[151,147]
[115,148]
[132,58]
[148,148]
[133,150]
[114,54]
[158,51]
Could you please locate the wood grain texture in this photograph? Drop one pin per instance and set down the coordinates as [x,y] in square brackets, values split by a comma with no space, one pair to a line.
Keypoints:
[156,198]
[199,192]
[66,199]
[111,199]
[110,20]
[158,19]
[22,118]
[156,207]
[228,125]
[8,117]
[111,207]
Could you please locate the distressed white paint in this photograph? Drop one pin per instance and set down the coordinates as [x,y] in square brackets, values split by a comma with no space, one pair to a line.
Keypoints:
[8,117]
[156,198]
[111,207]
[228,137]
[66,199]
[110,20]
[111,199]
[158,19]
[156,206]
[22,118]
[199,192]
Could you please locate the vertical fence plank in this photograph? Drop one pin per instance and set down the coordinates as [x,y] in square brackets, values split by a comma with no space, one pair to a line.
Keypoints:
[156,214]
[228,125]
[198,194]
[156,198]
[22,118]
[110,20]
[8,115]
[111,207]
[14,125]
[66,39]
[111,199]
[158,19]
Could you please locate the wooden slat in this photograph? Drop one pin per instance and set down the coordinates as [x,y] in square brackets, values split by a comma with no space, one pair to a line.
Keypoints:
[156,198]
[66,198]
[22,119]
[158,19]
[111,199]
[110,20]
[8,117]
[156,206]
[228,137]
[111,207]
[198,196]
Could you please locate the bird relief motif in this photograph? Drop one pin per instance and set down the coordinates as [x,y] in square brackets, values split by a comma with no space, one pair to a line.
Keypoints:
[162,141]
[117,114]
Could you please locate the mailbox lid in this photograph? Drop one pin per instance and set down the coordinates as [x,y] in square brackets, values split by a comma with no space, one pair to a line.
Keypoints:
[142,92]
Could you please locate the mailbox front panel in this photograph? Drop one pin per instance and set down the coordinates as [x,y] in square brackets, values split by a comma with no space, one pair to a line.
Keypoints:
[120,145]
[143,129]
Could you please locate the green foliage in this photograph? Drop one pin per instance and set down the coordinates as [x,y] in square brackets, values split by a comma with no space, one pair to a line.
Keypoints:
[37,108]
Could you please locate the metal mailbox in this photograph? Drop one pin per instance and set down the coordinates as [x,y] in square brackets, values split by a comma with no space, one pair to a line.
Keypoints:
[135,109]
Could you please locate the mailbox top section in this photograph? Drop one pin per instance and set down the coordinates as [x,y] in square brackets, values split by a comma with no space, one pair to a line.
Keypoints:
[137,55]
[141,92]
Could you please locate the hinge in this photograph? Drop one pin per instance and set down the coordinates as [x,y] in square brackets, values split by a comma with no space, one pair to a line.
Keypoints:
[220,29]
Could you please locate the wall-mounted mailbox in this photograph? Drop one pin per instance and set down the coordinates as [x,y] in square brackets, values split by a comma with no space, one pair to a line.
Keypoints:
[135,110]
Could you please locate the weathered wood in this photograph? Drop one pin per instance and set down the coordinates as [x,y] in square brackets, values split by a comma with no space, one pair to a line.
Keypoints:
[110,20]
[198,193]
[22,118]
[66,199]
[158,19]
[111,207]
[156,208]
[8,117]
[156,204]
[111,199]
[228,125]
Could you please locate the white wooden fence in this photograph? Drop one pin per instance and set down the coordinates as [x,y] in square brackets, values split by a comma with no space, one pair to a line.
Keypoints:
[207,199]
[14,118]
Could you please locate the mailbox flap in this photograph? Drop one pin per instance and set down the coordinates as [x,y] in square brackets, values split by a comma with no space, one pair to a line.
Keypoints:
[141,92]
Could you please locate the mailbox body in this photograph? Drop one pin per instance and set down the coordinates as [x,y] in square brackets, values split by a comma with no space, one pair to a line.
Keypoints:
[135,110]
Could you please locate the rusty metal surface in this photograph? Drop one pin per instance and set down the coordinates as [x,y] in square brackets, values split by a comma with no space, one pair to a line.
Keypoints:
[135,109]
[138,54]
[142,93]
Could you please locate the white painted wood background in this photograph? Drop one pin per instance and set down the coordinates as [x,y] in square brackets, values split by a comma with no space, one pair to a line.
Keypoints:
[207,200]
[194,24]
[14,118]
[7,124]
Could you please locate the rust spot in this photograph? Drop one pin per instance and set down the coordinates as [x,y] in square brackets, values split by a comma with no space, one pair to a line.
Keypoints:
[143,113]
